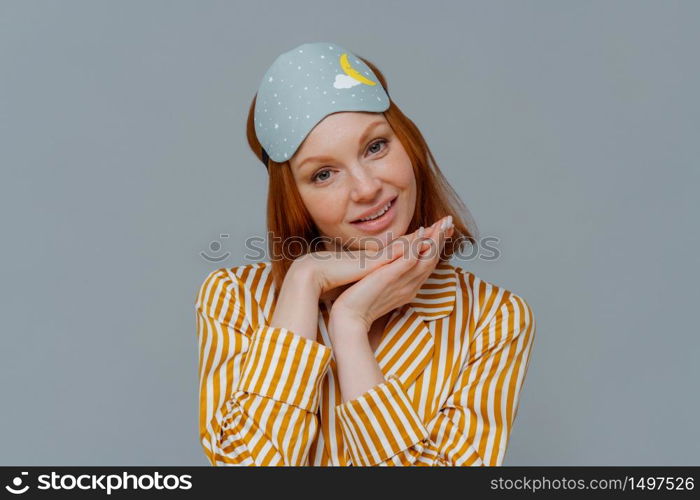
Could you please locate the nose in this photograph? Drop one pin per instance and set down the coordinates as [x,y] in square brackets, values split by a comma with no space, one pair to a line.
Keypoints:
[365,186]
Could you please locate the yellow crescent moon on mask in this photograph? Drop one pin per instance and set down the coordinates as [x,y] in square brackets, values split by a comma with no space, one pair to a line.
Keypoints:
[352,72]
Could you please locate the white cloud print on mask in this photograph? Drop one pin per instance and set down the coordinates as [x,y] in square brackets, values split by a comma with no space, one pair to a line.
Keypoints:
[344,82]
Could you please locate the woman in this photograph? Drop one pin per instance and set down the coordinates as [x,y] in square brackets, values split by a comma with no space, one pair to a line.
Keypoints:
[367,347]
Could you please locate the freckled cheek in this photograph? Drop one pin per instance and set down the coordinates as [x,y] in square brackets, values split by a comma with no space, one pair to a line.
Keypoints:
[328,213]
[406,182]
[402,177]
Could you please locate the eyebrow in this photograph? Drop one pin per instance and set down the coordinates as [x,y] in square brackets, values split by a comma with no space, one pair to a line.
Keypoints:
[367,131]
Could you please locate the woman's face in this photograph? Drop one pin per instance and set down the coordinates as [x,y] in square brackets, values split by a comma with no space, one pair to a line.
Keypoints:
[352,166]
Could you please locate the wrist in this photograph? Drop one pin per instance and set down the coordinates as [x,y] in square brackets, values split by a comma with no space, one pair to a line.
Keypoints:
[349,340]
[304,277]
[352,325]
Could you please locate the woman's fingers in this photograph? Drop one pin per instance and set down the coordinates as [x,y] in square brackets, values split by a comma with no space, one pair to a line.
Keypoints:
[403,245]
[398,248]
[435,237]
[445,227]
[404,249]
[427,237]
[412,246]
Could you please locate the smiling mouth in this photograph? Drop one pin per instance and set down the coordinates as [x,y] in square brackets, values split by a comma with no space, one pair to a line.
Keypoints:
[381,213]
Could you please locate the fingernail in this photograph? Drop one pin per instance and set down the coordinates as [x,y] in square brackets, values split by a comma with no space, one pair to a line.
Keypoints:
[449,221]
[443,226]
[421,232]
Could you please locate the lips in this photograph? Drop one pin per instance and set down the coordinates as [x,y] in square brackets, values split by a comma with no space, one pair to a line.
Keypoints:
[389,205]
[380,224]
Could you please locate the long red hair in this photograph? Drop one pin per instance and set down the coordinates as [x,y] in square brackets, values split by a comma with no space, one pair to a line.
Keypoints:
[287,216]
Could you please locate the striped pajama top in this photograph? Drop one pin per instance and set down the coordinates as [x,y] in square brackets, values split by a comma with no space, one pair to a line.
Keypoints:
[454,361]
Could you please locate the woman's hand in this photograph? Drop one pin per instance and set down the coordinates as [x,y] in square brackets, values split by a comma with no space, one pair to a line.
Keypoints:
[396,283]
[334,269]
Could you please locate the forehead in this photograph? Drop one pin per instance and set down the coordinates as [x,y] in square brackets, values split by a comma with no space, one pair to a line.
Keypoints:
[336,131]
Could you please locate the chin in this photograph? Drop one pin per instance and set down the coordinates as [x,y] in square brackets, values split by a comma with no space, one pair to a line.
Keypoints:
[379,241]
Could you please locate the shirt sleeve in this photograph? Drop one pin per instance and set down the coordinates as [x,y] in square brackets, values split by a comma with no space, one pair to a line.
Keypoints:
[258,386]
[382,427]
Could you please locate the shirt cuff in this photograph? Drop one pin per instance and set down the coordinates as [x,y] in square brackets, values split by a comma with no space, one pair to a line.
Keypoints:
[380,423]
[284,366]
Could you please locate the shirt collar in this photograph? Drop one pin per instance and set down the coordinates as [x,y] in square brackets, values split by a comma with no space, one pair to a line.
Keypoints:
[436,297]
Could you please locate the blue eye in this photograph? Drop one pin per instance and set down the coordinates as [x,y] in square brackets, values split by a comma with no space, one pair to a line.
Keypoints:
[380,141]
[315,177]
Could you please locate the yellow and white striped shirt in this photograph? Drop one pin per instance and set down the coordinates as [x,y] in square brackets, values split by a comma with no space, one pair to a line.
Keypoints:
[454,361]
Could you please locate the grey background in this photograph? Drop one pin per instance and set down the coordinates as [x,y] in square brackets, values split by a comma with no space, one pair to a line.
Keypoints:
[568,128]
